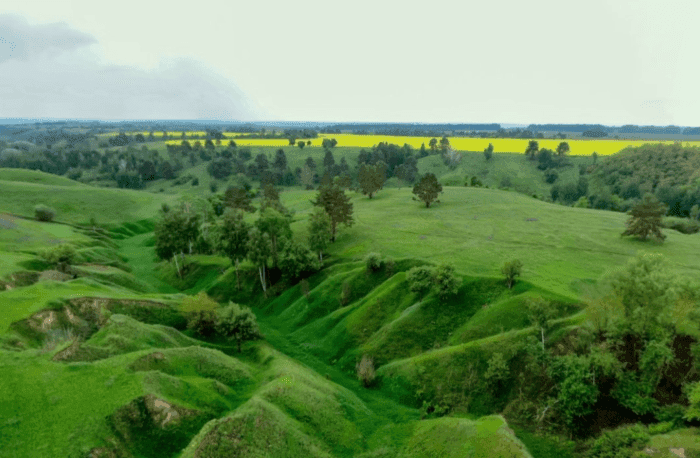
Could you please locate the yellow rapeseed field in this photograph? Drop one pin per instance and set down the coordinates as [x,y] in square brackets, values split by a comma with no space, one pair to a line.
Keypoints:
[501,145]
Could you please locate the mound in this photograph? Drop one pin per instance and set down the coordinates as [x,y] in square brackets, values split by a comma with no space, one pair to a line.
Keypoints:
[35,176]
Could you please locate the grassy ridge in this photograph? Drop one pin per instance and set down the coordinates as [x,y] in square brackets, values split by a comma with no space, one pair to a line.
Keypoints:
[477,230]
[76,204]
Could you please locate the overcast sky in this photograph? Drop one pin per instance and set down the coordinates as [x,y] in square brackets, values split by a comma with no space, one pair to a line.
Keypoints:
[539,61]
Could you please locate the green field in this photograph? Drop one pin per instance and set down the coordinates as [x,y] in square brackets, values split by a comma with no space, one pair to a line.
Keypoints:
[103,364]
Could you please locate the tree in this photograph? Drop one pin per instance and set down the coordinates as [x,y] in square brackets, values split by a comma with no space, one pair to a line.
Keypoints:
[444,144]
[532,149]
[176,233]
[488,152]
[200,311]
[259,251]
[433,144]
[307,176]
[233,241]
[365,370]
[427,189]
[371,178]
[337,205]
[497,371]
[646,218]
[446,281]
[60,256]
[237,323]
[540,312]
[220,168]
[420,280]
[44,213]
[296,258]
[236,197]
[328,161]
[280,162]
[319,231]
[563,149]
[511,270]
[301,144]
[276,226]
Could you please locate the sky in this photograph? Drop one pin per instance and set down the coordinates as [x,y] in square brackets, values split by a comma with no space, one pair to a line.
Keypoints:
[611,62]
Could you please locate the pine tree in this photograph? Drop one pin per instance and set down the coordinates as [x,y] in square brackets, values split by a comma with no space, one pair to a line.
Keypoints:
[646,218]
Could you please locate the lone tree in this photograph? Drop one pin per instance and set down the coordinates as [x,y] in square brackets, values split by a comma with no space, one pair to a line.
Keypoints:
[563,149]
[488,152]
[540,313]
[336,204]
[446,281]
[371,178]
[427,189]
[646,218]
[420,280]
[233,241]
[511,270]
[176,233]
[259,251]
[531,150]
[237,323]
[319,231]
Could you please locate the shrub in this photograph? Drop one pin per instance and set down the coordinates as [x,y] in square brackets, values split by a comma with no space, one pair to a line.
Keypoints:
[237,323]
[446,281]
[365,371]
[195,182]
[202,322]
[44,213]
[373,262]
[61,256]
[345,294]
[619,443]
[550,176]
[420,280]
[511,270]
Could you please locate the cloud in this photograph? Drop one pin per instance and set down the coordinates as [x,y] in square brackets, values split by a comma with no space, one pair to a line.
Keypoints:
[21,40]
[51,70]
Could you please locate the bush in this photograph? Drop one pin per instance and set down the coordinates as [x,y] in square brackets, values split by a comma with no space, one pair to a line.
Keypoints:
[619,443]
[446,281]
[373,262]
[60,256]
[365,371]
[237,323]
[550,176]
[511,270]
[420,280]
[202,322]
[195,182]
[44,213]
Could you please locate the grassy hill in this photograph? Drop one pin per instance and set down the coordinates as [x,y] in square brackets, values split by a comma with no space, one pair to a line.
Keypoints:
[477,230]
[111,208]
[103,365]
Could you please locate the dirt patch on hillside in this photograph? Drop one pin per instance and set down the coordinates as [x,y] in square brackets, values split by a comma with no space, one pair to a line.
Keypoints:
[7,221]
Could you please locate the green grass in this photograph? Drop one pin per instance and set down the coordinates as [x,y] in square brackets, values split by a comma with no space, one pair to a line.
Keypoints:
[36,176]
[77,204]
[477,230]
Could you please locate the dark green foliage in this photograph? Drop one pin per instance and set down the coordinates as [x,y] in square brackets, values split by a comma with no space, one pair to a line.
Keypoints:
[44,213]
[570,192]
[259,250]
[276,225]
[61,256]
[563,149]
[645,219]
[336,204]
[445,281]
[237,323]
[233,239]
[371,178]
[576,392]
[319,231]
[373,262]
[238,197]
[202,322]
[497,372]
[488,152]
[427,189]
[510,270]
[550,176]
[297,259]
[531,150]
[420,280]
[619,443]
[220,168]
[176,233]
